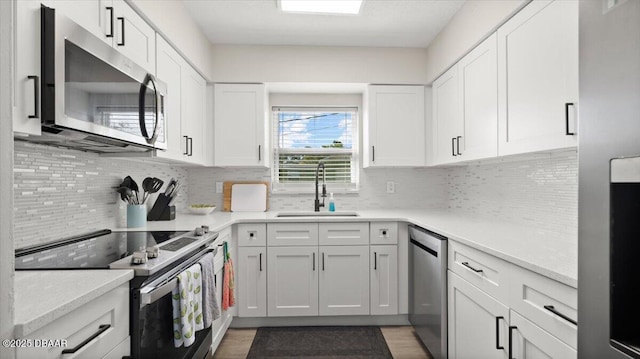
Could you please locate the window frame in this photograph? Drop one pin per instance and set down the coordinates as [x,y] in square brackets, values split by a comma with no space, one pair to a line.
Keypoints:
[307,187]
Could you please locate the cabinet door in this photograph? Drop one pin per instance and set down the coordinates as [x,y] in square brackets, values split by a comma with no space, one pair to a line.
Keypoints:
[532,342]
[384,279]
[478,81]
[194,91]
[477,322]
[97,16]
[239,125]
[26,106]
[134,37]
[538,78]
[170,71]
[252,282]
[344,280]
[395,126]
[447,125]
[293,281]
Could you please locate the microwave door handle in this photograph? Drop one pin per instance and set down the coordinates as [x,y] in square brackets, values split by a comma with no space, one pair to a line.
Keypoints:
[147,298]
[141,104]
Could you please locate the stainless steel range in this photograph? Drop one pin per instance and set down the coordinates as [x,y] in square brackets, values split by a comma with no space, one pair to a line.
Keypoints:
[156,258]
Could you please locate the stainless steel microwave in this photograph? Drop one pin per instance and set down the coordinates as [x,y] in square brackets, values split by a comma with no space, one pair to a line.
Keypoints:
[92,97]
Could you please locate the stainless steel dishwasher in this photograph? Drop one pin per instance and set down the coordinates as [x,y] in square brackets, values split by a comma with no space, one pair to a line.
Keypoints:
[428,289]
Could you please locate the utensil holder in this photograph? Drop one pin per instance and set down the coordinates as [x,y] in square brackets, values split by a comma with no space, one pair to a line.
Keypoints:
[136,215]
[161,210]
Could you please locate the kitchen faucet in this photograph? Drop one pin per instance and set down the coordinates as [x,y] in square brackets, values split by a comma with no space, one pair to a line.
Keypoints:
[317,205]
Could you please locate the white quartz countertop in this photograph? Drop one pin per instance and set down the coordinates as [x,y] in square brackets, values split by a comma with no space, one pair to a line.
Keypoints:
[43,296]
[551,254]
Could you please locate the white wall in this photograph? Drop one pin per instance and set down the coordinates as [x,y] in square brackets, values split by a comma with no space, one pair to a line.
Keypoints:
[253,63]
[470,25]
[6,176]
[177,26]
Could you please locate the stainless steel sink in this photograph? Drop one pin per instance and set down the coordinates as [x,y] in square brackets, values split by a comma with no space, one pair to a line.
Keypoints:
[316,214]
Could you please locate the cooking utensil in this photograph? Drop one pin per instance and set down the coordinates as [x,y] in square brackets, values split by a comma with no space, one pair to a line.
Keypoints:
[134,188]
[125,194]
[150,185]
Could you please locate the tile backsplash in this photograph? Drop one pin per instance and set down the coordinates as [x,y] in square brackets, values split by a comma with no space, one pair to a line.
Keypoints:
[60,192]
[414,188]
[540,192]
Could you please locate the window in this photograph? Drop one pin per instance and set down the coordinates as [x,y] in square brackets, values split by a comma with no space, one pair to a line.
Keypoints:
[303,137]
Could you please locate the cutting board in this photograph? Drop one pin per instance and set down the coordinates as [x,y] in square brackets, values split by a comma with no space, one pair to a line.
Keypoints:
[245,196]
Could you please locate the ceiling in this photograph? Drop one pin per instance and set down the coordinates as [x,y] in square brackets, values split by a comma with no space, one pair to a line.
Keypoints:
[381,23]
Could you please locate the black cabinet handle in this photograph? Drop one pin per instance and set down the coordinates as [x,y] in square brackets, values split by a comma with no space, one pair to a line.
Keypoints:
[375,261]
[373,153]
[121,19]
[260,261]
[110,9]
[190,139]
[466,264]
[511,328]
[453,146]
[259,153]
[186,145]
[36,96]
[314,261]
[566,118]
[323,261]
[458,145]
[553,310]
[101,329]
[498,346]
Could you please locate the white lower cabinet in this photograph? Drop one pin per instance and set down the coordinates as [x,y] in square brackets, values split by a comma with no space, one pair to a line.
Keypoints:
[500,310]
[252,282]
[106,316]
[383,273]
[344,280]
[529,341]
[292,281]
[478,323]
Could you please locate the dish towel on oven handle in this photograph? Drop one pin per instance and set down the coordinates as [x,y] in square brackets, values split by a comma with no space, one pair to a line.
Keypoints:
[187,306]
[228,298]
[210,307]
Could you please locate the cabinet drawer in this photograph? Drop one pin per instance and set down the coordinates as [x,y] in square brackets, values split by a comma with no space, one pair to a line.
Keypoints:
[252,235]
[531,292]
[292,234]
[480,269]
[384,232]
[344,234]
[110,309]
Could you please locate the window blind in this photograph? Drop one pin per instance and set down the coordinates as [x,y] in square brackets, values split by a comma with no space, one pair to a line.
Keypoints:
[303,137]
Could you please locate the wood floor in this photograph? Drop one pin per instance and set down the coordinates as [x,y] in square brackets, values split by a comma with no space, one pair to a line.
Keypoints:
[402,343]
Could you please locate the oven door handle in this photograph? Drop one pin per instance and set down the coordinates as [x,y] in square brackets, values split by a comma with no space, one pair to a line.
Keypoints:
[147,298]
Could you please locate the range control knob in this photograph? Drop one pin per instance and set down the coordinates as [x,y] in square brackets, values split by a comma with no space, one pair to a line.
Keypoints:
[199,231]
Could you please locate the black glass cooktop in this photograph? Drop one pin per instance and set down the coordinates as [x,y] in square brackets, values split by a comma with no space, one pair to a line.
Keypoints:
[92,251]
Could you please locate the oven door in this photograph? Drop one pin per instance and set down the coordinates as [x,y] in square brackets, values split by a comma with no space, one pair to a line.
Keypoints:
[152,320]
[90,87]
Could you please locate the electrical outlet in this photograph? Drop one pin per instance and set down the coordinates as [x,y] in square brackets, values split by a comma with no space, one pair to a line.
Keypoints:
[219,187]
[391,187]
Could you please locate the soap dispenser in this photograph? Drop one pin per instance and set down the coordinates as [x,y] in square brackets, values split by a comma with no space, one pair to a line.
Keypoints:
[332,203]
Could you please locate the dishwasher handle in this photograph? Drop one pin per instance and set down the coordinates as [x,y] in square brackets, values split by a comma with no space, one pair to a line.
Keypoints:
[424,248]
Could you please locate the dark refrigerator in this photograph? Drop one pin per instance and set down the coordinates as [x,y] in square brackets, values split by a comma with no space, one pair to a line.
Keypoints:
[609,180]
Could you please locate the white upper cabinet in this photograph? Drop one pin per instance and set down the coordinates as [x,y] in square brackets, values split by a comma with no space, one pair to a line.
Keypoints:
[478,85]
[194,92]
[446,116]
[97,16]
[185,107]
[134,37]
[538,78]
[240,125]
[394,126]
[26,97]
[465,107]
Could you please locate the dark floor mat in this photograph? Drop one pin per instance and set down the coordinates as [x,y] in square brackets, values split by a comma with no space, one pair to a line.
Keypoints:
[319,342]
